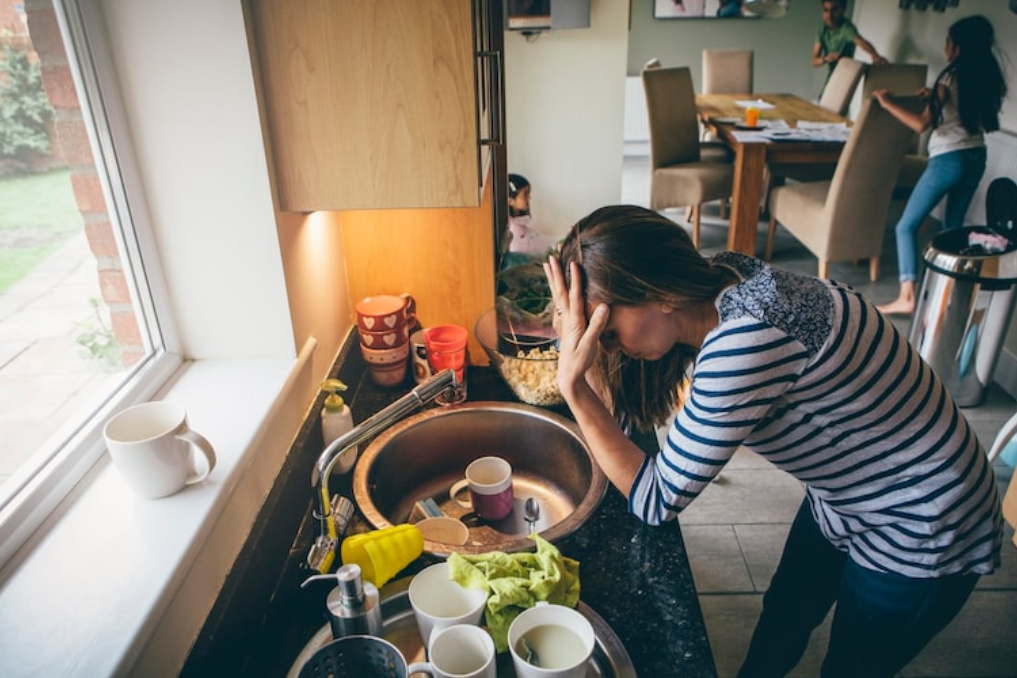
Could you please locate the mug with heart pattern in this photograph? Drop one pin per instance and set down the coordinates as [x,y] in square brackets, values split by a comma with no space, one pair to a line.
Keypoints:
[385,312]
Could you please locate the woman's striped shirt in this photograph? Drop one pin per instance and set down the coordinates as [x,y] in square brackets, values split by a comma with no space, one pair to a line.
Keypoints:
[809,375]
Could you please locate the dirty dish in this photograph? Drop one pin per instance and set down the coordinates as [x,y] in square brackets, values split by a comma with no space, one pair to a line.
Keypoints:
[444,530]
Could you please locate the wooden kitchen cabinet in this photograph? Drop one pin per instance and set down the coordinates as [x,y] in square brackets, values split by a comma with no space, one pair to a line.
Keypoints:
[379,103]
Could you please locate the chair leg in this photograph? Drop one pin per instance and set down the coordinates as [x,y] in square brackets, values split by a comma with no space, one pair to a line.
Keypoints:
[770,181]
[696,212]
[769,238]
[688,214]
[874,269]
[824,268]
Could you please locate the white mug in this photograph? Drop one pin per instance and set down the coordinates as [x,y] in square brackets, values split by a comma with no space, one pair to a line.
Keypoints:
[460,651]
[153,448]
[439,602]
[418,357]
[561,638]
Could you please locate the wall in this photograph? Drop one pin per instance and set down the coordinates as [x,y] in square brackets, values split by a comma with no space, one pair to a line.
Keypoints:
[782,46]
[918,37]
[241,285]
[565,95]
[197,135]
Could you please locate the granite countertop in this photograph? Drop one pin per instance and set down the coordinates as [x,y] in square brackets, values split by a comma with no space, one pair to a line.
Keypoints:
[636,577]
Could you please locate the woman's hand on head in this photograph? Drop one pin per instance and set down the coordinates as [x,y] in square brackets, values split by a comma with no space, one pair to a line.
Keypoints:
[579,336]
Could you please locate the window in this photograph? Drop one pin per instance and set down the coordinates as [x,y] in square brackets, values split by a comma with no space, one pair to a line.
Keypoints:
[82,330]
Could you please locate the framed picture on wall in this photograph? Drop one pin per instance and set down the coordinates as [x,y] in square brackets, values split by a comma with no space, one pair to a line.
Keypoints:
[717,9]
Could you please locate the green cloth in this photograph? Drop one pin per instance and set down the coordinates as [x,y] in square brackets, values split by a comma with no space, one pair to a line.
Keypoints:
[516,581]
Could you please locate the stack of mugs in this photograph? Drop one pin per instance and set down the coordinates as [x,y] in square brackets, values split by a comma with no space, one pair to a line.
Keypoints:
[384,323]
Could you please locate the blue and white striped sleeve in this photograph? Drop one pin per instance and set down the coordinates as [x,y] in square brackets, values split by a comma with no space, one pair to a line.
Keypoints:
[742,371]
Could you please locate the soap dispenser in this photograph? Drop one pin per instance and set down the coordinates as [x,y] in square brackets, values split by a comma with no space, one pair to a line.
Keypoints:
[354,606]
[336,420]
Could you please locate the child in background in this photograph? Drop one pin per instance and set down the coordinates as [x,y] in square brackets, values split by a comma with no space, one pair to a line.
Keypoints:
[963,104]
[527,242]
[837,37]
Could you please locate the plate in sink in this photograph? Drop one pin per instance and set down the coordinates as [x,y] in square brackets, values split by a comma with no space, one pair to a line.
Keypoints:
[610,660]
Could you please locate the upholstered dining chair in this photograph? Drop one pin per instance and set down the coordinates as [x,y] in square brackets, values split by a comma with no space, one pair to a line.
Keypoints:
[902,80]
[679,174]
[844,219]
[841,86]
[727,71]
[836,97]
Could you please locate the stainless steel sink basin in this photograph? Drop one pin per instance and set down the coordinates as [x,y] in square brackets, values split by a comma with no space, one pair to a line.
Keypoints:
[422,456]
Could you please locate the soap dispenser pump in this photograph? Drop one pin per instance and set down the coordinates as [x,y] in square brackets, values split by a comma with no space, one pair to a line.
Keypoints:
[336,419]
[354,606]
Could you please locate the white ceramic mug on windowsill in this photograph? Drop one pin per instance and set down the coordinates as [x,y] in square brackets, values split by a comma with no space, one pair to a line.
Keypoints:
[154,449]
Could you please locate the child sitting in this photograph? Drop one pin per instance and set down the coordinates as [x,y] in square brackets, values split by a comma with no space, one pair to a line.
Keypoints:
[527,242]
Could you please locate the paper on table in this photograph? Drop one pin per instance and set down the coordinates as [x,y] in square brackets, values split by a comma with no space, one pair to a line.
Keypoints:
[835,132]
[813,124]
[758,103]
[749,137]
[788,135]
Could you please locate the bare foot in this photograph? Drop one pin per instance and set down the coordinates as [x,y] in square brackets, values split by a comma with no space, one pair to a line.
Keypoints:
[898,306]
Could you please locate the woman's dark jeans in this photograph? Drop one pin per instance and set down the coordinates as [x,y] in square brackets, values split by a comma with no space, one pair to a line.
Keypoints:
[881,621]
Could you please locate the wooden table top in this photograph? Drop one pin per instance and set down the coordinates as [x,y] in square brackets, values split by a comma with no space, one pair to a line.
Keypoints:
[787,107]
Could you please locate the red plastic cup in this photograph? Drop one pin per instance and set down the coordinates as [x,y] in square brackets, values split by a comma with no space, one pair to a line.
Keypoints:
[446,338]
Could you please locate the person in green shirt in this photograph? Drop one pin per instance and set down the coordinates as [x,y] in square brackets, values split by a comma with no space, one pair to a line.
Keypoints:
[837,37]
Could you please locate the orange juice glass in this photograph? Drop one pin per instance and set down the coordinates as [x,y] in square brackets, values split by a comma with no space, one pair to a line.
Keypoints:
[751,116]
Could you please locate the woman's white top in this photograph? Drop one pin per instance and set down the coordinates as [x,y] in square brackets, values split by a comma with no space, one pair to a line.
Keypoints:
[950,135]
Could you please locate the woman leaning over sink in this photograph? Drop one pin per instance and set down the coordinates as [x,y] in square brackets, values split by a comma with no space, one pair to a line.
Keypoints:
[901,514]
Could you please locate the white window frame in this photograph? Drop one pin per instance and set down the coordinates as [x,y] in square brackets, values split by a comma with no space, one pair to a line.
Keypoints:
[39,489]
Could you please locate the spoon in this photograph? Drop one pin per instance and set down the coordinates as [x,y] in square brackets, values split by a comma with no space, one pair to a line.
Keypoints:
[531,513]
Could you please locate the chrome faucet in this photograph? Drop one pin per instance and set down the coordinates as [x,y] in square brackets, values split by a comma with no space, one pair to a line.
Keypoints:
[322,551]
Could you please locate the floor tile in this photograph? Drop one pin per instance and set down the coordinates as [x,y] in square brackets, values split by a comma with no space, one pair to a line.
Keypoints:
[761,547]
[746,496]
[716,559]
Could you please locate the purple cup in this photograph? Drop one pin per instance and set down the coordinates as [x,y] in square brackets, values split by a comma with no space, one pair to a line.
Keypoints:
[489,480]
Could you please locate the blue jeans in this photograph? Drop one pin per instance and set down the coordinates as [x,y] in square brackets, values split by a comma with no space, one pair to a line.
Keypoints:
[954,175]
[881,621]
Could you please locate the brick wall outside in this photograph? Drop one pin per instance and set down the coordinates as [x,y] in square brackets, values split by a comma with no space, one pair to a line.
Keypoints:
[72,135]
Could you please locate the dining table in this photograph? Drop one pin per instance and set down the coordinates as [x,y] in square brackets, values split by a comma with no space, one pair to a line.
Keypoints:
[754,150]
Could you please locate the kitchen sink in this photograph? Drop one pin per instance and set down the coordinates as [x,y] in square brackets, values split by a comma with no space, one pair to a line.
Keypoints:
[422,456]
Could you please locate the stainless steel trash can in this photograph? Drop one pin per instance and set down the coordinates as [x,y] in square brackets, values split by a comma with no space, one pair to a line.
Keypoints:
[963,311]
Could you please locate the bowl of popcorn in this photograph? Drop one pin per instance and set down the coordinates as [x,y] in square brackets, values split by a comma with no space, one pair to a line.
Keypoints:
[525,355]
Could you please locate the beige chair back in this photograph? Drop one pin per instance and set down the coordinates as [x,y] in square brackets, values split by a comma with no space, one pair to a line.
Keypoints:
[727,71]
[858,201]
[671,111]
[841,86]
[900,79]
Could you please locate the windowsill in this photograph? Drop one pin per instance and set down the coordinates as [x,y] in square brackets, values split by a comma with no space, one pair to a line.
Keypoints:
[117,585]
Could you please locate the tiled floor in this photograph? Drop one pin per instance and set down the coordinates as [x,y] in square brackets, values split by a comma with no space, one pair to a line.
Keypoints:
[735,530]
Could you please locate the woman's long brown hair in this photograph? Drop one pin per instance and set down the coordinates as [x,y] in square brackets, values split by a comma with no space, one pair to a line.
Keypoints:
[629,256]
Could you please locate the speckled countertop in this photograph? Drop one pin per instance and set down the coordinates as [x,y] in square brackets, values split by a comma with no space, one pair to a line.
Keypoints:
[636,577]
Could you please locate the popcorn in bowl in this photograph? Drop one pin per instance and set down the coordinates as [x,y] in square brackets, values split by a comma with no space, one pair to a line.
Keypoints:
[528,362]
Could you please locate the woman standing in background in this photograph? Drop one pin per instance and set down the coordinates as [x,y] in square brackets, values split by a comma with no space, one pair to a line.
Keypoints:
[963,104]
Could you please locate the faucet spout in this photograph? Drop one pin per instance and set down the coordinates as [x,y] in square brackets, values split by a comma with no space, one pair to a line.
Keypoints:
[418,397]
[322,553]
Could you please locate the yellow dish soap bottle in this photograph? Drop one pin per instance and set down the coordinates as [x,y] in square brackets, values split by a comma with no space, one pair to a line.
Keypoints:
[336,419]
